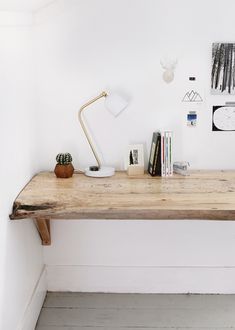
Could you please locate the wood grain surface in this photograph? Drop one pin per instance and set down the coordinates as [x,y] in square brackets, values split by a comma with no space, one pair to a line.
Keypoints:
[202,195]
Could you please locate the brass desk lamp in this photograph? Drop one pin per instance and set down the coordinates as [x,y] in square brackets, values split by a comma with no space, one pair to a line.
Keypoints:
[115,104]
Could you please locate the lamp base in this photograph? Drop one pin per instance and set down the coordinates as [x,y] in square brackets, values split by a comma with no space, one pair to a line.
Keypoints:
[101,173]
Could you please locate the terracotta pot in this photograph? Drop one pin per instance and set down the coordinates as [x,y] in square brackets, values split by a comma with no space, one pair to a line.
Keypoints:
[64,171]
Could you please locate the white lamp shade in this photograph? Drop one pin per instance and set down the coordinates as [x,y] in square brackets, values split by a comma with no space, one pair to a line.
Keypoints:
[115,104]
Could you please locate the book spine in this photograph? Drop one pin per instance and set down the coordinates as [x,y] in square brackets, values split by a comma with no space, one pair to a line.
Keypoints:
[152,154]
[171,158]
[167,153]
[163,154]
[157,158]
[158,164]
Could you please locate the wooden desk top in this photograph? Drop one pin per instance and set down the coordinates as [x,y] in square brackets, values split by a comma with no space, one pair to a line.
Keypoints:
[202,195]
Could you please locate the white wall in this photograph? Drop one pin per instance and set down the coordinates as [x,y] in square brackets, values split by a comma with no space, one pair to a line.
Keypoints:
[21,252]
[83,47]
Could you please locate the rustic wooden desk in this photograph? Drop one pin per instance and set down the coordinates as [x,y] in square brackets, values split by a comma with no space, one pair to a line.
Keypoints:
[208,195]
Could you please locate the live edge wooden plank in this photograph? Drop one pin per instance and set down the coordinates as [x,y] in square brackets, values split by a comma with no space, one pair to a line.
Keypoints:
[202,195]
[206,195]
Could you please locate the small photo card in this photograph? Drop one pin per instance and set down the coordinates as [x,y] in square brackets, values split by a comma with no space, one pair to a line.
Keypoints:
[192,119]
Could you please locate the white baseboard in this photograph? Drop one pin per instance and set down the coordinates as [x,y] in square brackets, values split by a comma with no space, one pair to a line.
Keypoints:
[203,280]
[34,306]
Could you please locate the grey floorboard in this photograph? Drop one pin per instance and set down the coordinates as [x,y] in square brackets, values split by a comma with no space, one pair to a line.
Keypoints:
[71,311]
[109,300]
[102,328]
[137,317]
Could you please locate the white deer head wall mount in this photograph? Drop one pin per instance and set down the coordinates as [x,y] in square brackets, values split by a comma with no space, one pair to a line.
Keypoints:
[168,66]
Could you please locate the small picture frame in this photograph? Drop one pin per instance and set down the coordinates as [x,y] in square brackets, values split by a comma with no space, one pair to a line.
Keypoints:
[223,117]
[135,159]
[192,119]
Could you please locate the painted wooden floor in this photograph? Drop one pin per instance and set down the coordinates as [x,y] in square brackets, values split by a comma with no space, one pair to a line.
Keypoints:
[90,311]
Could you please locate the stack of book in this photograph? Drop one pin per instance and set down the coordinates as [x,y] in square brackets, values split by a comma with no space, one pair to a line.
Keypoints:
[160,159]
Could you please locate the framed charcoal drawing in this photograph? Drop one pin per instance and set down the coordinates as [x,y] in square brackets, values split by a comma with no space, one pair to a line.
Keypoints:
[135,159]
[223,118]
[223,69]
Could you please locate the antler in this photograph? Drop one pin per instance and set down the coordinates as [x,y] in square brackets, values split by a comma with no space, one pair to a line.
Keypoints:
[169,64]
[163,65]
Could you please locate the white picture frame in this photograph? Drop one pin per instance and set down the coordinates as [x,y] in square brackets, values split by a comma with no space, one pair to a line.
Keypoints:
[135,159]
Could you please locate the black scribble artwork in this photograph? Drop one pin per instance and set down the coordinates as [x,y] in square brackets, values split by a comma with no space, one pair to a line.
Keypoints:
[131,161]
[223,68]
[133,157]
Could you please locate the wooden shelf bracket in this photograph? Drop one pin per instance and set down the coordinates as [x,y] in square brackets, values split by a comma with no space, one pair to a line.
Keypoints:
[43,226]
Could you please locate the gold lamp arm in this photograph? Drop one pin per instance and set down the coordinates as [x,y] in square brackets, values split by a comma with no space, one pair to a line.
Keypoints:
[103,94]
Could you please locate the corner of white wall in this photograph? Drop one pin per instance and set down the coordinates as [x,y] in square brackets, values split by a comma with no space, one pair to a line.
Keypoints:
[34,306]
[22,282]
[9,18]
[53,9]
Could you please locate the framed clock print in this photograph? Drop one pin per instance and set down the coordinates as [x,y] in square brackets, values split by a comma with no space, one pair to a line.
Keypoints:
[223,118]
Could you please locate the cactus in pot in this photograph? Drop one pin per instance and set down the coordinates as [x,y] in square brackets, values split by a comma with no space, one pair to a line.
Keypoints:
[64,167]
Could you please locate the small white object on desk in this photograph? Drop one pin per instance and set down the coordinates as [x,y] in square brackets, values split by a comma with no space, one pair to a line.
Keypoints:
[181,168]
[101,172]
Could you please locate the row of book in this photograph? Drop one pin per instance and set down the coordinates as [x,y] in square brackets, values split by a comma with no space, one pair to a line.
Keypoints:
[160,159]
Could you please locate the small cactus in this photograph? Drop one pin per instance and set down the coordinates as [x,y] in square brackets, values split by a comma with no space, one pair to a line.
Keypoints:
[64,159]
